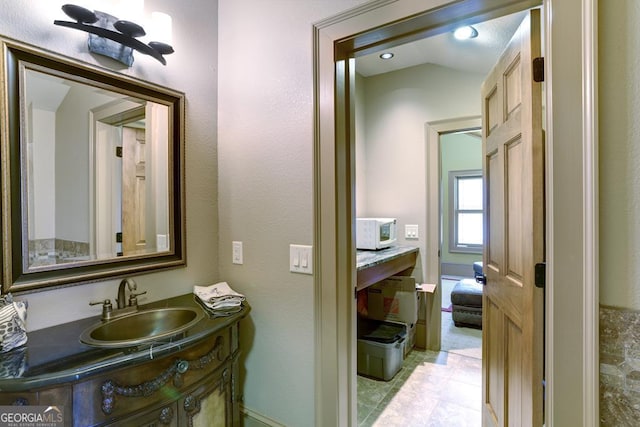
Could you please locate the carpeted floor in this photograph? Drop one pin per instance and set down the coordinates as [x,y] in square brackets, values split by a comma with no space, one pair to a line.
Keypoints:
[462,341]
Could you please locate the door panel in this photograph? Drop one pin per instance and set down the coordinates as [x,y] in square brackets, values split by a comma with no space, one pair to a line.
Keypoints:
[514,230]
[134,189]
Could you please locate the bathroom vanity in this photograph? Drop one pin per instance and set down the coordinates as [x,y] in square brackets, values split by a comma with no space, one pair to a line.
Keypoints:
[186,380]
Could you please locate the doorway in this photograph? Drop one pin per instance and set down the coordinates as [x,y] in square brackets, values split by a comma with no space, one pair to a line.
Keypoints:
[461,212]
[376,398]
[571,120]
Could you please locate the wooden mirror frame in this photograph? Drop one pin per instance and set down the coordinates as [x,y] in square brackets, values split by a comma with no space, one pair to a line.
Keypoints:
[13,220]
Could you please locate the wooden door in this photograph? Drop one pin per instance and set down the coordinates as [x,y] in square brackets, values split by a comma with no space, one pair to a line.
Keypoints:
[513,353]
[133,190]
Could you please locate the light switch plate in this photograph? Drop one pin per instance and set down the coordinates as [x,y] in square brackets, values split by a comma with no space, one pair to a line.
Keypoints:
[237,255]
[411,231]
[301,259]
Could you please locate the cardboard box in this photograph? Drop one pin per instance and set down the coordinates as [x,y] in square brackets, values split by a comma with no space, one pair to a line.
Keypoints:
[425,307]
[394,299]
[421,335]
[410,340]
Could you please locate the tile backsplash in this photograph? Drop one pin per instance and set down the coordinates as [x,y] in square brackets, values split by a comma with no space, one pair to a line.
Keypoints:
[619,366]
[55,251]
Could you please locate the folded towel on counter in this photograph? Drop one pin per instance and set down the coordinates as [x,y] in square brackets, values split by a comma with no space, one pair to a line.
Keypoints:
[13,323]
[219,297]
[219,312]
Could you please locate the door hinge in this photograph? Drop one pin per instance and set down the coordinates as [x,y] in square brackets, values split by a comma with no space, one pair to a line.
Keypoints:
[118,151]
[538,69]
[119,237]
[540,275]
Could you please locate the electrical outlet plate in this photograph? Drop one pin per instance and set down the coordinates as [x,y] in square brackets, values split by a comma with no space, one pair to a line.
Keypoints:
[301,259]
[411,231]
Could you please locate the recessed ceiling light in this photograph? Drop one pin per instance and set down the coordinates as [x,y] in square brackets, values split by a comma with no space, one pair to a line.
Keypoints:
[386,55]
[464,33]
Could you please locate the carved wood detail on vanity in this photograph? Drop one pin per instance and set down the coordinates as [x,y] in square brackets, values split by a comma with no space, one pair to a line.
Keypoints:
[158,382]
[110,388]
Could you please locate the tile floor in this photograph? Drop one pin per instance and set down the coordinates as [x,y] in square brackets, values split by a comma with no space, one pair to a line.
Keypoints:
[432,388]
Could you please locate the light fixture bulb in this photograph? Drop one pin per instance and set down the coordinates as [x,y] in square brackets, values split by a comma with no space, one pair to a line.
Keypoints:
[160,28]
[131,10]
[386,55]
[464,33]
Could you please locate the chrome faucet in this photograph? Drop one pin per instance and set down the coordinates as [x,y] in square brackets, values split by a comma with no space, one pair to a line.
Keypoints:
[131,284]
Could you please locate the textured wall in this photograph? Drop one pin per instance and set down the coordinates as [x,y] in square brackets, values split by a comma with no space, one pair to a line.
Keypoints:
[266,191]
[619,67]
[619,64]
[397,106]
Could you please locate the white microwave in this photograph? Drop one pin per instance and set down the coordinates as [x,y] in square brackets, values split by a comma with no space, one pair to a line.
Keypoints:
[375,233]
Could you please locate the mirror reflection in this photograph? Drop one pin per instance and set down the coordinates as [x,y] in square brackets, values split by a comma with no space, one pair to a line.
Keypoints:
[92,172]
[95,167]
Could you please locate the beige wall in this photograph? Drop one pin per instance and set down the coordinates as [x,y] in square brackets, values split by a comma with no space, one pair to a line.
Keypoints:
[397,105]
[192,69]
[265,139]
[619,65]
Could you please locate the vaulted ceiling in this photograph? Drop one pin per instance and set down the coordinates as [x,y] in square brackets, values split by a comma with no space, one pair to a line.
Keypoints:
[476,55]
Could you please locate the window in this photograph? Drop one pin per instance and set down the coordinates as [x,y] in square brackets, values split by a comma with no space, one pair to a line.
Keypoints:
[465,211]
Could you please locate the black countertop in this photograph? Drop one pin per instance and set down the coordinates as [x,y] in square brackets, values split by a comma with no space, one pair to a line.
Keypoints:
[55,355]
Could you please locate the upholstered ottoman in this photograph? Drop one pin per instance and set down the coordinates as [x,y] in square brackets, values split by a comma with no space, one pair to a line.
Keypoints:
[466,299]
[477,269]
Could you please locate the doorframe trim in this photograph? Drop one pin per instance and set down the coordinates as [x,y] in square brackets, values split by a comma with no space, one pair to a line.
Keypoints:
[591,320]
[560,265]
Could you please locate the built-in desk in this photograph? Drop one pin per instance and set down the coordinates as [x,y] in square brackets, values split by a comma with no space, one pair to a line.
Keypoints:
[373,266]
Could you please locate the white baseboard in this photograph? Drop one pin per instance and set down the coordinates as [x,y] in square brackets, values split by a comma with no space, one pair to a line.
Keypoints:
[456,270]
[255,419]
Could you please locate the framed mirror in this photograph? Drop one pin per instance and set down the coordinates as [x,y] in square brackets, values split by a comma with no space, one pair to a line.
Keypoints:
[92,172]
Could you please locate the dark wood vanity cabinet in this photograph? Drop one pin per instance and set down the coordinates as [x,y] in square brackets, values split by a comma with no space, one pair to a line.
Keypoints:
[208,403]
[191,381]
[193,387]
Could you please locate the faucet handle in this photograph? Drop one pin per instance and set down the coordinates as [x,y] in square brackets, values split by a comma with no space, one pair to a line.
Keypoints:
[133,298]
[106,302]
[106,307]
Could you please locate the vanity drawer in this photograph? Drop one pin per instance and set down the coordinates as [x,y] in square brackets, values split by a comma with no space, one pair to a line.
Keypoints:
[54,396]
[19,398]
[133,389]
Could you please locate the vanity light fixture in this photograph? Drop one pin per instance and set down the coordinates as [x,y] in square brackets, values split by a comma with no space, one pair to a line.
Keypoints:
[466,32]
[113,37]
[386,55]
